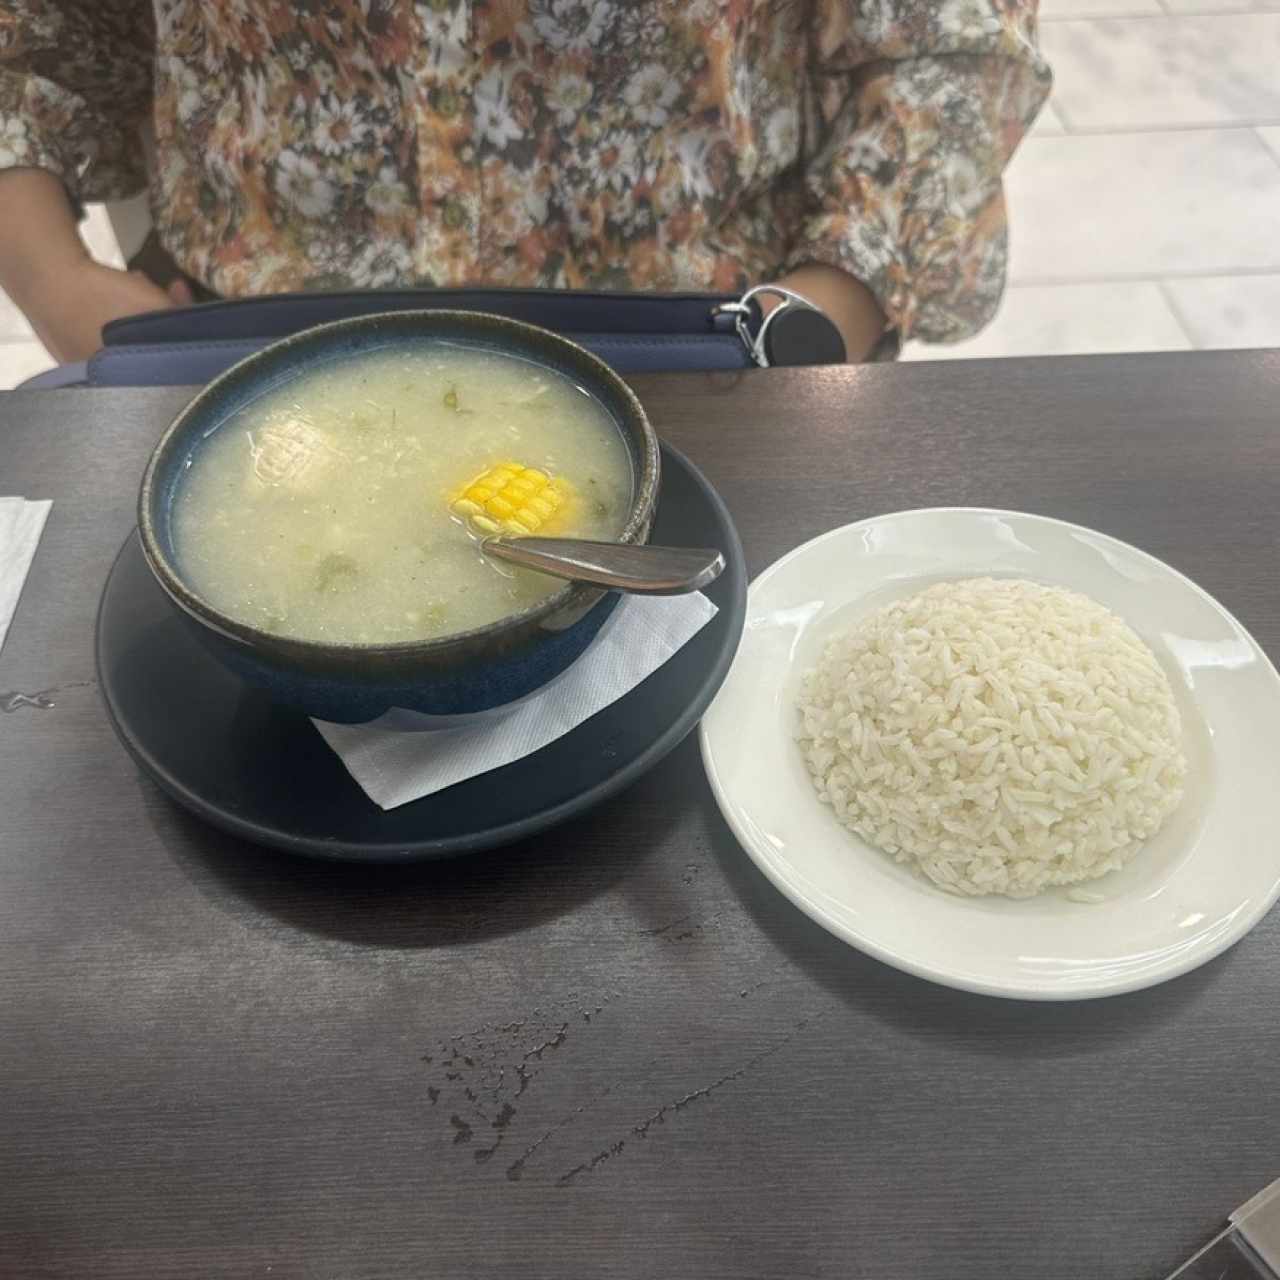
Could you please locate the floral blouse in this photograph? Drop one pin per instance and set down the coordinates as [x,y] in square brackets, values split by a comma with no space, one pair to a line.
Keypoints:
[636,144]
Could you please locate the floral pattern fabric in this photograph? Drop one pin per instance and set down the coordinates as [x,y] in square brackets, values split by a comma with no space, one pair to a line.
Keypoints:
[640,144]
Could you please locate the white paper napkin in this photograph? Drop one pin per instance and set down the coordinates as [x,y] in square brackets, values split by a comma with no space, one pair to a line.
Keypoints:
[394,768]
[21,523]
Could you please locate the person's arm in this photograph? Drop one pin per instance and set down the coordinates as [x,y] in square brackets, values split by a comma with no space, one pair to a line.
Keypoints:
[75,81]
[46,270]
[922,105]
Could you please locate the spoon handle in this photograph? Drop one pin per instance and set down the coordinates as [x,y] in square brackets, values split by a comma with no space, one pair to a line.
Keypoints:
[621,566]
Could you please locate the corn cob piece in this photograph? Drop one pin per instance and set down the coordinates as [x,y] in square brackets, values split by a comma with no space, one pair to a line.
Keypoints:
[514,499]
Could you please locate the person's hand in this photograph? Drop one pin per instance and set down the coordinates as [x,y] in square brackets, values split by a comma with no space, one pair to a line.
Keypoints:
[850,304]
[68,308]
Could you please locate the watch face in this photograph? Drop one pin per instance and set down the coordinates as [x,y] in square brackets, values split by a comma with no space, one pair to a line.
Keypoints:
[800,335]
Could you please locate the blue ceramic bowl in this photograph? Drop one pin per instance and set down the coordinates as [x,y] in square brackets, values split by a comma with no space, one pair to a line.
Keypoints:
[449,679]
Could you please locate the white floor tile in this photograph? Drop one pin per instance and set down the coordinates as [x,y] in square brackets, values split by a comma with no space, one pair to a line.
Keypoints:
[1048,124]
[1194,202]
[96,232]
[130,221]
[1271,138]
[1073,319]
[1212,6]
[22,360]
[13,324]
[1229,311]
[1053,10]
[1194,7]
[1148,73]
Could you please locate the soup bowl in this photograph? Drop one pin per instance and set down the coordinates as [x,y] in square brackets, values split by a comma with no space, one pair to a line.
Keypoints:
[439,682]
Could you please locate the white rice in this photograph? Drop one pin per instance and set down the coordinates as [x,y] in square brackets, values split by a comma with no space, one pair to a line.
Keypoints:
[997,735]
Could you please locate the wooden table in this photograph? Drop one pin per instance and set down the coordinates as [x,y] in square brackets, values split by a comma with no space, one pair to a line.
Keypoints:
[613,1050]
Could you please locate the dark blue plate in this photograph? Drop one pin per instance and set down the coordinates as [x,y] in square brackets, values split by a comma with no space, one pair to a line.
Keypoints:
[261,771]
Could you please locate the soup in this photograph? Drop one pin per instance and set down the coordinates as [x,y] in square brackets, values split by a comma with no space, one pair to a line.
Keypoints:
[324,510]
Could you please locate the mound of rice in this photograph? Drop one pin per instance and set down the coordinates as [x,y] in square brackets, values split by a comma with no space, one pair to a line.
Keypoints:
[997,735]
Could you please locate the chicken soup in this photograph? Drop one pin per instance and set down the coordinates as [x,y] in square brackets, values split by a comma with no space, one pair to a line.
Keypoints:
[347,505]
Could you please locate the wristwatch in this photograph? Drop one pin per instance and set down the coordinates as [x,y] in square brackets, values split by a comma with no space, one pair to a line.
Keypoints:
[795,331]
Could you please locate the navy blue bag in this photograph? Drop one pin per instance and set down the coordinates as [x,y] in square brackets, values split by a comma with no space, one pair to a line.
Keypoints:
[633,332]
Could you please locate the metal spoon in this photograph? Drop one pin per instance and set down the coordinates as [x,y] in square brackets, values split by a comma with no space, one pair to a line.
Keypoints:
[637,568]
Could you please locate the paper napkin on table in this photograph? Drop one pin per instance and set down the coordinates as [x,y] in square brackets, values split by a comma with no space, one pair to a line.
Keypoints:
[21,523]
[395,767]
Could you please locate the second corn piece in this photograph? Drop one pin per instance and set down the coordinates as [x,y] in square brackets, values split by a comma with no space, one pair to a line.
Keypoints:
[514,499]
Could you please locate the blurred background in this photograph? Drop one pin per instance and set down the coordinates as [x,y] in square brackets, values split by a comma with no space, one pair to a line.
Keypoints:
[1144,206]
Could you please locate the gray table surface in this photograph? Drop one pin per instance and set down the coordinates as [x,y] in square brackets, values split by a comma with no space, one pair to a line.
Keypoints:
[612,1050]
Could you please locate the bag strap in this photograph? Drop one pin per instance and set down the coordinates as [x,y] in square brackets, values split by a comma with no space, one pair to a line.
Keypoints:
[566,311]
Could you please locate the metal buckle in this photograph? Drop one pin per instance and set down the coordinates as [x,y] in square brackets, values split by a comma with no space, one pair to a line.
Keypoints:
[742,313]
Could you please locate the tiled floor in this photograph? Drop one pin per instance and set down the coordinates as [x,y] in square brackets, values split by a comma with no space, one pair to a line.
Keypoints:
[1144,208]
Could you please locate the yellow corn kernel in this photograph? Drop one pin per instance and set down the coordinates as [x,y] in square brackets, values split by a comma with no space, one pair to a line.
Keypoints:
[515,499]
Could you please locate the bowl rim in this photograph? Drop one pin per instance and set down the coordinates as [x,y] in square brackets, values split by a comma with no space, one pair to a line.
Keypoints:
[643,502]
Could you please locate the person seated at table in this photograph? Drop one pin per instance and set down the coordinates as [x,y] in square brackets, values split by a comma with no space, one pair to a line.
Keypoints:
[851,149]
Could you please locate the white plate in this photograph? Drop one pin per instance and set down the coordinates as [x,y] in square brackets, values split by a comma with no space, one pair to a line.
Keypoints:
[1205,880]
